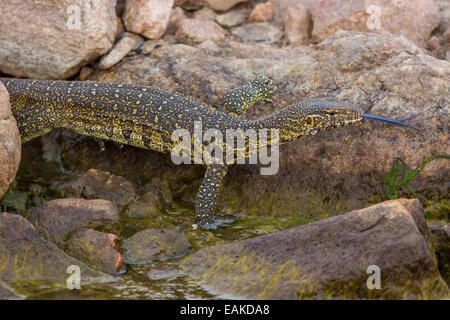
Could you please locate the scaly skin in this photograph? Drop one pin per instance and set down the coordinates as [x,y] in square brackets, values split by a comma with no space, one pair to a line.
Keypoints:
[145,117]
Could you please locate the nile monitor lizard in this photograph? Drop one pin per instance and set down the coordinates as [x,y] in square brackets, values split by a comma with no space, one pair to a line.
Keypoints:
[146,117]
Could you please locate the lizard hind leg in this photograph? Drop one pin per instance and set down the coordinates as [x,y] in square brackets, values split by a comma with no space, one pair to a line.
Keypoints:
[208,194]
[238,100]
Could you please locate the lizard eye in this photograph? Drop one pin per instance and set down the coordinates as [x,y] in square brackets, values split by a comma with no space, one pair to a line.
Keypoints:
[332,113]
[310,121]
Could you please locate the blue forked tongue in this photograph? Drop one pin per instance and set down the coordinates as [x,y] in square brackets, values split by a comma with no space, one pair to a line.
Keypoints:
[399,122]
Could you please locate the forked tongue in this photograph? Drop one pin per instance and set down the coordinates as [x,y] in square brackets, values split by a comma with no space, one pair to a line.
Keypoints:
[399,122]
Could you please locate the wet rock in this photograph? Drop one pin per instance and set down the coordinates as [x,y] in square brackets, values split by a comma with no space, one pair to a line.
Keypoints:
[10,143]
[155,245]
[120,50]
[204,14]
[223,5]
[58,220]
[48,40]
[263,12]
[258,32]
[329,259]
[149,204]
[192,31]
[28,258]
[296,24]
[440,233]
[414,19]
[96,249]
[147,17]
[98,184]
[232,19]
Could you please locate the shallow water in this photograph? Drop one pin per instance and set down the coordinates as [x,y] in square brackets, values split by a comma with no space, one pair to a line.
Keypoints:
[157,280]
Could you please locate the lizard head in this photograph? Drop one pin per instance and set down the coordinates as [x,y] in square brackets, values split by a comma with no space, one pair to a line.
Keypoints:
[307,117]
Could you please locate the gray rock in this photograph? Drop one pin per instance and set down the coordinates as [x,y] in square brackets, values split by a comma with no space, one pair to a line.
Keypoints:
[264,32]
[329,259]
[120,50]
[232,19]
[155,245]
[53,40]
[192,31]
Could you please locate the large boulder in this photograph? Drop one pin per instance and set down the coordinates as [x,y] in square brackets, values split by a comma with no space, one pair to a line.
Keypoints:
[336,258]
[53,39]
[10,143]
[27,259]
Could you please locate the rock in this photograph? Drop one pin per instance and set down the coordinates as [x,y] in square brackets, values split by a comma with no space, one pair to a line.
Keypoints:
[297,24]
[190,5]
[147,17]
[414,19]
[96,249]
[258,32]
[210,47]
[120,50]
[155,245]
[57,220]
[232,19]
[263,12]
[10,143]
[223,5]
[149,46]
[98,184]
[48,40]
[204,14]
[329,259]
[28,260]
[440,233]
[281,7]
[193,31]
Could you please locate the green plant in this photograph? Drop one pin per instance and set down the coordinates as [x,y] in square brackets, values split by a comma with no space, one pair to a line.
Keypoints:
[393,185]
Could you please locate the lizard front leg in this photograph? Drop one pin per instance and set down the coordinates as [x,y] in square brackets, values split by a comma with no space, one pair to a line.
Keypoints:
[238,100]
[208,194]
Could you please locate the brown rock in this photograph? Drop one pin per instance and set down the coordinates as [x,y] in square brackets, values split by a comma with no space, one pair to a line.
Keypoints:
[192,31]
[155,245]
[329,259]
[10,143]
[223,5]
[414,19]
[147,17]
[96,249]
[28,258]
[120,50]
[57,220]
[53,40]
[98,184]
[296,25]
[263,12]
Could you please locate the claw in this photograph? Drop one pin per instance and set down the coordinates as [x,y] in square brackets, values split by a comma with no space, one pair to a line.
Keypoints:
[399,122]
